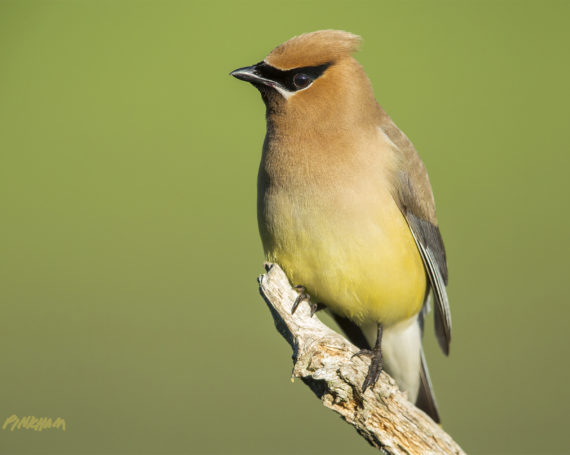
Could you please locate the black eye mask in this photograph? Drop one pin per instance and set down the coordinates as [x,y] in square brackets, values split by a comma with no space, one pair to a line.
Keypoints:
[285,78]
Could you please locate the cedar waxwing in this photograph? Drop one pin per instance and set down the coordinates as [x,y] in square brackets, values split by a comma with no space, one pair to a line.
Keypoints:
[345,206]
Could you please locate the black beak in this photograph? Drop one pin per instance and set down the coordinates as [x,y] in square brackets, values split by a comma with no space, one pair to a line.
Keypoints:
[253,74]
[247,73]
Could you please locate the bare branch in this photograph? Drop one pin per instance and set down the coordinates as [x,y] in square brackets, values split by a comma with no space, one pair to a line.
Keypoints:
[324,360]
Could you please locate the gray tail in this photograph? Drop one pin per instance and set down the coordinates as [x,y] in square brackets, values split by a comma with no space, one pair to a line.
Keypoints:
[426,398]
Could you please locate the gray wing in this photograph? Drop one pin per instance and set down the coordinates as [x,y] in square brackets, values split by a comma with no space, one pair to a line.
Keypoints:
[429,242]
[412,193]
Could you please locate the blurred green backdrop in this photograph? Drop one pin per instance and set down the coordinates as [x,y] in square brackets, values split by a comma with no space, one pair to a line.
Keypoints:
[128,178]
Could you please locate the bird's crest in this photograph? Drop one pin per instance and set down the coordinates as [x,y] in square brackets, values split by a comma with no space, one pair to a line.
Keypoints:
[315,48]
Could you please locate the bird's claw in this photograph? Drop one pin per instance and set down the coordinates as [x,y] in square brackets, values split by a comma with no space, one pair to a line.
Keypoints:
[316,307]
[363,352]
[303,295]
[374,369]
[372,377]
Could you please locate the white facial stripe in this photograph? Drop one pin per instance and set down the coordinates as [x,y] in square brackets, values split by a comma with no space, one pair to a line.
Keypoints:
[288,94]
[285,93]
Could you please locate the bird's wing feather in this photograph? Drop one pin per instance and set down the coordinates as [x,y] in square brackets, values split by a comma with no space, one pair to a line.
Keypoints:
[421,231]
[414,196]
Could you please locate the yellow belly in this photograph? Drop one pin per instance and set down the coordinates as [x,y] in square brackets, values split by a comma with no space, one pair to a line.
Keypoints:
[361,262]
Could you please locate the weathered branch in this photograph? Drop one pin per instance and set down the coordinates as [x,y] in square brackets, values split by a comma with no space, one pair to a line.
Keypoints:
[324,360]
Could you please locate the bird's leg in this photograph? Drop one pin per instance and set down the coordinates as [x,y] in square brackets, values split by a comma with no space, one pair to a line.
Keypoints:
[303,295]
[375,367]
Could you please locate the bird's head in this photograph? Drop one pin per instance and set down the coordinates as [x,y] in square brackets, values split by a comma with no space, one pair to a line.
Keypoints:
[313,74]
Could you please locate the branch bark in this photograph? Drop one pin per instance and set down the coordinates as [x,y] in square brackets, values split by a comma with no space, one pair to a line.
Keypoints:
[324,360]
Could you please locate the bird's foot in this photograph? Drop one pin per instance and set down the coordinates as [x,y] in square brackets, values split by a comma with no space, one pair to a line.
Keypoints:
[303,295]
[374,371]
[375,367]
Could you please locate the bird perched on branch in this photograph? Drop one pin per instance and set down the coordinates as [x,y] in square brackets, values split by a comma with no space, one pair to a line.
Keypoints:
[345,206]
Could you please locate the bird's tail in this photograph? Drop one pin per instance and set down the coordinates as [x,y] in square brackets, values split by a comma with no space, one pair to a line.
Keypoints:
[426,398]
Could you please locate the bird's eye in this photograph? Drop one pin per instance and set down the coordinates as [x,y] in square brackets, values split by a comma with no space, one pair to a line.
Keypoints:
[302,80]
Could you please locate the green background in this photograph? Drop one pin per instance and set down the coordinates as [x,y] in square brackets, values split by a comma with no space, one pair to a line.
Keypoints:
[127,190]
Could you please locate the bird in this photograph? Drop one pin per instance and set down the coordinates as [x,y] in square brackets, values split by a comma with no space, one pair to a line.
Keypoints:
[345,207]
